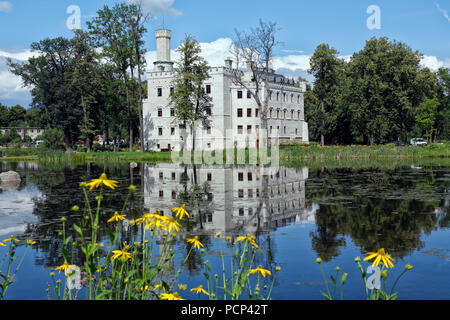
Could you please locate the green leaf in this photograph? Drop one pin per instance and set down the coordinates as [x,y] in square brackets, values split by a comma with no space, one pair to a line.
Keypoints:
[67,240]
[326,295]
[78,230]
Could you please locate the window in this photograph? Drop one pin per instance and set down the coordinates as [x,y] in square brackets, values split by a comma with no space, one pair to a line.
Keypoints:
[298,99]
[172,131]
[160,131]
[284,129]
[241,212]
[249,113]
[208,88]
[208,111]
[250,176]
[250,211]
[278,114]
[271,113]
[209,177]
[249,129]
[292,114]
[250,193]
[270,129]
[241,193]
[292,98]
[208,130]
[174,195]
[172,112]
[210,217]
[249,94]
[298,115]
[296,131]
[239,113]
[161,176]
[270,95]
[239,128]
[160,114]
[239,94]
[284,114]
[172,90]
[174,175]
[257,113]
[159,92]
[161,194]
[257,193]
[158,146]
[278,96]
[241,176]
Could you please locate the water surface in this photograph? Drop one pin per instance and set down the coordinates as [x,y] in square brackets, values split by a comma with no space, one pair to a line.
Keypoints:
[297,214]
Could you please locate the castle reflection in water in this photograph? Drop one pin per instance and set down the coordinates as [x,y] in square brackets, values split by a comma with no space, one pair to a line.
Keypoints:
[229,199]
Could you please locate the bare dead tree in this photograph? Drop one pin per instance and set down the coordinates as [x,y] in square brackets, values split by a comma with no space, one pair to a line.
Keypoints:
[254,50]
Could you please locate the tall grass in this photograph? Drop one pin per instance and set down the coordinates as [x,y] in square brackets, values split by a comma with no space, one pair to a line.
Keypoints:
[382,152]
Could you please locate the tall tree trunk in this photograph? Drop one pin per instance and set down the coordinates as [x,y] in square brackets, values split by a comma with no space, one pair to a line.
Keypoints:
[322,137]
[130,120]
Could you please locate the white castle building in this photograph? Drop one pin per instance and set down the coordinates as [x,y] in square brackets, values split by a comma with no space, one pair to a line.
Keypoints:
[233,114]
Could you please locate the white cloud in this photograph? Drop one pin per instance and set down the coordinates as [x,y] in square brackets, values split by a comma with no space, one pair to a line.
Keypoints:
[159,7]
[10,84]
[433,63]
[19,55]
[444,12]
[5,6]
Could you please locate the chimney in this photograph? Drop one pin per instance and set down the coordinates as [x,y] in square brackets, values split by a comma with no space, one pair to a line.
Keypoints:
[249,66]
[229,63]
[163,62]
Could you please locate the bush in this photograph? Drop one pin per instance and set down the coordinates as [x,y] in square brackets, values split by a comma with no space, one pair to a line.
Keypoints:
[53,139]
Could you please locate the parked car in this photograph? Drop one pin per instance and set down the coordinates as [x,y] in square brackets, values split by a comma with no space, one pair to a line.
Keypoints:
[418,142]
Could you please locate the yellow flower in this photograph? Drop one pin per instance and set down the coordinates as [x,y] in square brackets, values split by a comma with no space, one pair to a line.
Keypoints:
[380,255]
[156,220]
[199,290]
[2,244]
[181,212]
[408,267]
[197,244]
[171,296]
[103,180]
[159,287]
[64,267]
[116,217]
[247,238]
[123,254]
[11,239]
[262,271]
[182,287]
[31,242]
[146,218]
[172,224]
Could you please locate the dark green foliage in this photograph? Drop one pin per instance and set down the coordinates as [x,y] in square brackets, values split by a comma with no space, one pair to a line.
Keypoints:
[53,139]
[382,94]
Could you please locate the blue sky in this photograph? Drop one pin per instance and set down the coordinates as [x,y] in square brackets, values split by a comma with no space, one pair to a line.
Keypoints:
[423,24]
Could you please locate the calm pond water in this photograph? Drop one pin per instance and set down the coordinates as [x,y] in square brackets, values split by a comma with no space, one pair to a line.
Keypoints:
[334,214]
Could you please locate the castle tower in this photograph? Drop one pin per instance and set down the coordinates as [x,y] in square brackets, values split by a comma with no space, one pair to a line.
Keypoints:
[163,62]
